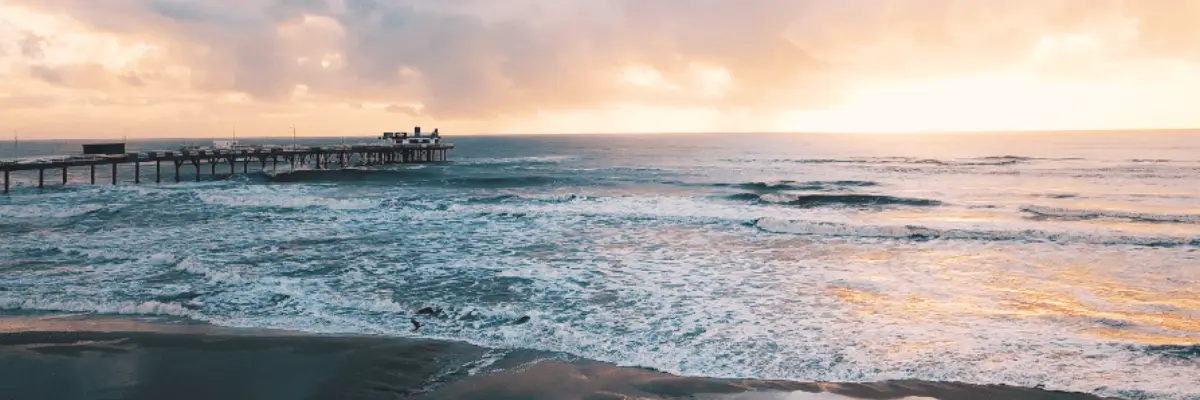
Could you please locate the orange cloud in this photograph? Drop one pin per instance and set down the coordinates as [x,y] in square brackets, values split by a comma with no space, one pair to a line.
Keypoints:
[149,66]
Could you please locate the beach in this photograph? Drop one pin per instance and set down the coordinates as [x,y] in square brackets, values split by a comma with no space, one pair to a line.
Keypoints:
[102,357]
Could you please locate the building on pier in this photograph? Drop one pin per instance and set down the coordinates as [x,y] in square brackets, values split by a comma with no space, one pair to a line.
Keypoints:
[403,138]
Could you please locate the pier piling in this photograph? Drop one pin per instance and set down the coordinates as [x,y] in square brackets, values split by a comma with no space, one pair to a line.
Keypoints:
[318,158]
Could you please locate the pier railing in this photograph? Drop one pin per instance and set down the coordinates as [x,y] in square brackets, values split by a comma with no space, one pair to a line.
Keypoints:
[296,157]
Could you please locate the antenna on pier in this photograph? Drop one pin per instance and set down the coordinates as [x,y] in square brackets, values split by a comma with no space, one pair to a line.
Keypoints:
[293,137]
[16,143]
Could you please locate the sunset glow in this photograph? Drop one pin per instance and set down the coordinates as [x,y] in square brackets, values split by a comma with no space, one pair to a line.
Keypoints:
[192,68]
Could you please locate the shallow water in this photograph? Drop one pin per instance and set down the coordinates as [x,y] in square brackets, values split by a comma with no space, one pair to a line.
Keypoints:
[70,357]
[1060,259]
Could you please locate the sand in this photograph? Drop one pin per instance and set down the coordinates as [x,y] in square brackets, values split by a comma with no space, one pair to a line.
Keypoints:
[99,357]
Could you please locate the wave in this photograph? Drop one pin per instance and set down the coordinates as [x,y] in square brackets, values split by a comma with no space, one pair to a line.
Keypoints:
[835,200]
[89,306]
[351,174]
[412,175]
[753,197]
[491,182]
[806,186]
[993,160]
[1008,157]
[516,160]
[1185,352]
[821,200]
[281,197]
[40,211]
[509,198]
[1056,195]
[913,232]
[976,161]
[1083,214]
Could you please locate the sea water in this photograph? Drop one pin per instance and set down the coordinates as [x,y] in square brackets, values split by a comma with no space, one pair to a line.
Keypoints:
[1062,259]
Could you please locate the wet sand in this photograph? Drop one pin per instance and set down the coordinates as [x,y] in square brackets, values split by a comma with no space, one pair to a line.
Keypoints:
[90,357]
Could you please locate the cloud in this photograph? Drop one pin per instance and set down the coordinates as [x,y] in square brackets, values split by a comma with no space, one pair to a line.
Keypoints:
[486,59]
[407,110]
[31,46]
[457,61]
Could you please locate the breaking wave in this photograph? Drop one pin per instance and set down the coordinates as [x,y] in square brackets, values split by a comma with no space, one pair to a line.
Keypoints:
[35,211]
[754,197]
[337,175]
[836,200]
[413,175]
[914,232]
[1176,351]
[88,306]
[516,198]
[491,182]
[284,201]
[803,186]
[858,200]
[1083,214]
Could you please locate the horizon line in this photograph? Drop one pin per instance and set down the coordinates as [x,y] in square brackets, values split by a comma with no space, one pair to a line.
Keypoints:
[477,134]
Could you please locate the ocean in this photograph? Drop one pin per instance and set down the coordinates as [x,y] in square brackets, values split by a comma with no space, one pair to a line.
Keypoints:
[1060,260]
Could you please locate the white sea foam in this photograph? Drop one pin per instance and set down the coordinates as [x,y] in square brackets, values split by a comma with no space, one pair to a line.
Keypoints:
[49,210]
[1068,213]
[762,395]
[708,305]
[227,275]
[824,228]
[690,285]
[271,198]
[488,359]
[89,306]
[162,259]
[641,207]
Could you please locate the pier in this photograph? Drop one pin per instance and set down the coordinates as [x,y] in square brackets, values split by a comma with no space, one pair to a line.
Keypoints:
[296,157]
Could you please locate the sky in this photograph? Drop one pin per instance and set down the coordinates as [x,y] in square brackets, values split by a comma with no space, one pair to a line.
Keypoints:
[208,68]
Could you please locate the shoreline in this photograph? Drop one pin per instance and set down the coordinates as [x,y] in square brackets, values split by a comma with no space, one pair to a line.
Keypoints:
[81,356]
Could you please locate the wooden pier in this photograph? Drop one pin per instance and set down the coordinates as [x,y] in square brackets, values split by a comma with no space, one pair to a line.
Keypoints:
[321,158]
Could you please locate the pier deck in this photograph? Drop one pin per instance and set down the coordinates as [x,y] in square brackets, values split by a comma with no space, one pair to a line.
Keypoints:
[316,157]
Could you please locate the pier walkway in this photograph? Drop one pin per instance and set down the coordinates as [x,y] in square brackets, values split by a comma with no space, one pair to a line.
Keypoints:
[297,157]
